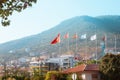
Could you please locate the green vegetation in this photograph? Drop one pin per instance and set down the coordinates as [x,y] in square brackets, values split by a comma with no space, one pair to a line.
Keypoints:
[55,75]
[8,7]
[88,62]
[37,78]
[52,75]
[110,67]
[15,74]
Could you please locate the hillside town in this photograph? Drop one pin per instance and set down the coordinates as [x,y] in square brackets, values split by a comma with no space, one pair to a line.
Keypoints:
[59,40]
[82,64]
[66,64]
[42,63]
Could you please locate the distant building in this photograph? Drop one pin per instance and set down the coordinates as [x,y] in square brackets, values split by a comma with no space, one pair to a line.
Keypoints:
[62,62]
[38,66]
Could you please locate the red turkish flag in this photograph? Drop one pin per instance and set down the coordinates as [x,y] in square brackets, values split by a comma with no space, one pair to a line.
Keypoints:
[66,35]
[75,36]
[56,40]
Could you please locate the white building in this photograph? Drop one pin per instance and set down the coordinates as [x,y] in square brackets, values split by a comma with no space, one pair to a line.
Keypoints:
[64,61]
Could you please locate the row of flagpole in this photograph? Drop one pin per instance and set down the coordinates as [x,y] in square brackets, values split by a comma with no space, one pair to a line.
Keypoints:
[75,36]
[57,39]
[84,36]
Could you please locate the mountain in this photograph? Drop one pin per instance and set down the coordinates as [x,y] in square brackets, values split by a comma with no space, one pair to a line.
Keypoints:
[40,43]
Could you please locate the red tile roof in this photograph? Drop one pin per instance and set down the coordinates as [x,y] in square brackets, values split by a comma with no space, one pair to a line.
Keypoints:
[75,69]
[82,67]
[92,67]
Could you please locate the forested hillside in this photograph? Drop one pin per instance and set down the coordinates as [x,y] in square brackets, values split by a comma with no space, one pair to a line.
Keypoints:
[40,43]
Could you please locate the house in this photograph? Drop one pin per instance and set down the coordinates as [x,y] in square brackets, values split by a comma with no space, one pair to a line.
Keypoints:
[84,71]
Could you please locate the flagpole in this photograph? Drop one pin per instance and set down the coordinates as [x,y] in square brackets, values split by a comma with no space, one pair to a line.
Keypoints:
[75,36]
[86,45]
[85,54]
[66,36]
[96,43]
[68,42]
[105,42]
[85,49]
[76,45]
[115,43]
[96,49]
[59,49]
[83,36]
[104,45]
[59,44]
[68,52]
[60,52]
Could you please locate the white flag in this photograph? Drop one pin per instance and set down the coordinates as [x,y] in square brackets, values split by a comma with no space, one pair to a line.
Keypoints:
[83,36]
[93,37]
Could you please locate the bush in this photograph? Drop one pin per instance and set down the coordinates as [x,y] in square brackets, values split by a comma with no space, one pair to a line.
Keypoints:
[51,74]
[55,75]
[26,78]
[37,78]
[68,77]
[110,67]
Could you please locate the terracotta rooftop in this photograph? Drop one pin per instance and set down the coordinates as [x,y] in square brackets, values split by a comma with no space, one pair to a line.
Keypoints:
[82,67]
[92,67]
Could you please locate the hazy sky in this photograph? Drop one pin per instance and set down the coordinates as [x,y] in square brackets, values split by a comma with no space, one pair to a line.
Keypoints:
[48,13]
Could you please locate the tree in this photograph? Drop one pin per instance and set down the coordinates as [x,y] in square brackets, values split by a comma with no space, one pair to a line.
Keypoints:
[7,7]
[110,67]
[87,62]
